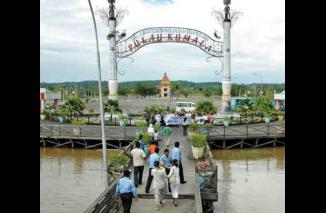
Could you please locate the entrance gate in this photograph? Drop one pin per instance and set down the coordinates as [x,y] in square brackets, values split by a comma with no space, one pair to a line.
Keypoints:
[119,49]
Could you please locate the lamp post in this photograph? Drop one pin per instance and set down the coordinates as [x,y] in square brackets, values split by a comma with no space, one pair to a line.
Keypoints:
[261,82]
[105,161]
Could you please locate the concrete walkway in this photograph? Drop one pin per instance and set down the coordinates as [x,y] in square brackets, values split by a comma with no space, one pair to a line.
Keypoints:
[184,205]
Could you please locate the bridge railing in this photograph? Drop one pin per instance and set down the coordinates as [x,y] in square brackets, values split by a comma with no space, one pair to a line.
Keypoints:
[248,130]
[106,202]
[198,203]
[114,132]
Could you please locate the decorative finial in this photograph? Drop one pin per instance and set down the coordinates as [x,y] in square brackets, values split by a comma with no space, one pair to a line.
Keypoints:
[227,10]
[111,7]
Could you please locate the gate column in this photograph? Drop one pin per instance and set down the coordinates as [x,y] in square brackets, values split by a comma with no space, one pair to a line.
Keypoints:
[113,79]
[226,83]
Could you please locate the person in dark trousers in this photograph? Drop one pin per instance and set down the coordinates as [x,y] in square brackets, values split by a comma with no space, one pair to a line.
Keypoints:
[176,154]
[165,161]
[162,124]
[185,126]
[126,190]
[152,158]
[138,159]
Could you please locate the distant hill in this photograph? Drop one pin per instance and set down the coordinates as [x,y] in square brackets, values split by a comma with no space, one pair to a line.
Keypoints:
[93,85]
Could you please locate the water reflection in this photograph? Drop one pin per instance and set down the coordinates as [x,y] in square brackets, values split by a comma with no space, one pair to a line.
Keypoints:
[70,179]
[251,180]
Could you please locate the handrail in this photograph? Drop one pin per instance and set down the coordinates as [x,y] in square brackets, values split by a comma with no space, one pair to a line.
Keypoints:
[105,201]
[198,203]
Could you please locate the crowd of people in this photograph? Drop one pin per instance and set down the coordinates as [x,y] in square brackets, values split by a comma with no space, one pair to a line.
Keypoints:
[165,171]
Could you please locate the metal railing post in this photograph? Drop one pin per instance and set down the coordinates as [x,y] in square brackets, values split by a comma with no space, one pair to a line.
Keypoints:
[79,131]
[268,129]
[115,121]
[87,119]
[59,130]
[247,130]
[51,131]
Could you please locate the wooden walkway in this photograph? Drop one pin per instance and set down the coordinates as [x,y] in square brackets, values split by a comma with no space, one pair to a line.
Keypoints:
[146,202]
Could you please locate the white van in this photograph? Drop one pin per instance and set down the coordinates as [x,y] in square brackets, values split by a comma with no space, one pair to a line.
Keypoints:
[187,106]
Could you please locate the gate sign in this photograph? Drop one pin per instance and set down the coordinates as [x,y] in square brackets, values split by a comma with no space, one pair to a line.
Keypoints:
[147,36]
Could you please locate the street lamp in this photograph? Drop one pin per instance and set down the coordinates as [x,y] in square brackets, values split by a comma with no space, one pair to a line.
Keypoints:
[105,161]
[261,82]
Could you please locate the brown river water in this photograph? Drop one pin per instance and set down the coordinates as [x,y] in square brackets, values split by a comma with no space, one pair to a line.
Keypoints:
[250,180]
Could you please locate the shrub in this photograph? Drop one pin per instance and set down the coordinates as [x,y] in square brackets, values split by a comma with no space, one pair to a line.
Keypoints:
[193,126]
[147,138]
[118,160]
[78,122]
[140,124]
[198,140]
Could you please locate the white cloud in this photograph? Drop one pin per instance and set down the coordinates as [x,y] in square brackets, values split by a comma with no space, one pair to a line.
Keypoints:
[257,40]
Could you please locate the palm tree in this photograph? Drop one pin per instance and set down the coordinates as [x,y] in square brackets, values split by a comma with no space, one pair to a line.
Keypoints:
[73,107]
[112,106]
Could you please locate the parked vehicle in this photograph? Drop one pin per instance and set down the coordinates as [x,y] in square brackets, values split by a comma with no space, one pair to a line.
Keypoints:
[186,106]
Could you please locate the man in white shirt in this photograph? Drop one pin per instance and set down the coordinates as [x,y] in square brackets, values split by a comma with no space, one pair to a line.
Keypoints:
[138,159]
[151,129]
[159,185]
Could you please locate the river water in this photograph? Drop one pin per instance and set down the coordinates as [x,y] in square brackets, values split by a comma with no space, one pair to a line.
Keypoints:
[250,180]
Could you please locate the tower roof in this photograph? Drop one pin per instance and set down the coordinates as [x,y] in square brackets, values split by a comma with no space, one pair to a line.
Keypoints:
[165,78]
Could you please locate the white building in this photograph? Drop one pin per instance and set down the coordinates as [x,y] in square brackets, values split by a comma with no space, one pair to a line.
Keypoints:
[279,101]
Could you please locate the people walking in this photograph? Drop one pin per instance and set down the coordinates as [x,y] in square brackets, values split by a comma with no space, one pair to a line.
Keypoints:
[152,158]
[185,126]
[165,161]
[151,148]
[138,159]
[126,190]
[167,134]
[176,154]
[159,185]
[174,178]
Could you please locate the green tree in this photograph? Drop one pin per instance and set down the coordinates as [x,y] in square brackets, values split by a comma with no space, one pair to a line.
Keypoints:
[145,89]
[184,92]
[264,105]
[176,89]
[205,107]
[123,91]
[73,107]
[208,92]
[112,106]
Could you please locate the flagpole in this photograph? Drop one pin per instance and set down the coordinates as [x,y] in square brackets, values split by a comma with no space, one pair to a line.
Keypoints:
[105,161]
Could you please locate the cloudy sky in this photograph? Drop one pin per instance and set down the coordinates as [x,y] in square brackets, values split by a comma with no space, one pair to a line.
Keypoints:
[68,51]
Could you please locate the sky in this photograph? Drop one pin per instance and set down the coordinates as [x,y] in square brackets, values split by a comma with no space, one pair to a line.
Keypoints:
[68,50]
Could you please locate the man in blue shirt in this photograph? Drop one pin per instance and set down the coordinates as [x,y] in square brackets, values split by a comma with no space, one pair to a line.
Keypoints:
[165,161]
[176,154]
[141,142]
[152,158]
[126,190]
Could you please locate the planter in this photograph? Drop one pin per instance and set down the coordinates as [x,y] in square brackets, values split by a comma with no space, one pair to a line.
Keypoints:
[43,117]
[61,119]
[205,179]
[122,123]
[204,131]
[226,123]
[267,119]
[280,117]
[198,152]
